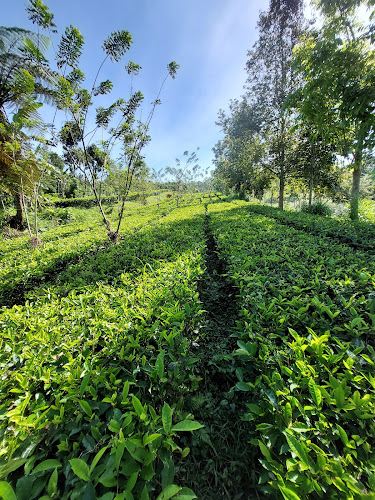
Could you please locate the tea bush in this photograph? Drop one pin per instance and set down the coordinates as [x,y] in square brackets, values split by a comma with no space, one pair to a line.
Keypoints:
[87,398]
[305,356]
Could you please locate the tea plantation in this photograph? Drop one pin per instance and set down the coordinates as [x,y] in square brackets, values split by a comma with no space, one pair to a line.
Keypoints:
[220,350]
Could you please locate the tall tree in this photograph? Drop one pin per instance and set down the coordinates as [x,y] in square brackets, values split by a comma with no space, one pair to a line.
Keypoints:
[24,78]
[270,80]
[339,97]
[314,162]
[130,133]
[239,156]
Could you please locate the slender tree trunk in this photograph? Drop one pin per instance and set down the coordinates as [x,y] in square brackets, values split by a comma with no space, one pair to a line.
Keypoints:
[25,209]
[36,214]
[311,188]
[17,220]
[311,182]
[354,202]
[281,191]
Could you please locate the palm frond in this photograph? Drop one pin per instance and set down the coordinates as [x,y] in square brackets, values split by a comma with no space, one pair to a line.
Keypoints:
[12,40]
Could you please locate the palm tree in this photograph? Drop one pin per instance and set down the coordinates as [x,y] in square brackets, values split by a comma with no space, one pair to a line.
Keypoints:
[25,77]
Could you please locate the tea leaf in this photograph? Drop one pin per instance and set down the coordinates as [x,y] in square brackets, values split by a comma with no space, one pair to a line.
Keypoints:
[166,417]
[159,365]
[46,465]
[80,468]
[187,425]
[316,393]
[97,457]
[150,439]
[86,407]
[6,491]
[137,406]
[169,492]
[288,494]
[52,483]
[339,396]
[298,448]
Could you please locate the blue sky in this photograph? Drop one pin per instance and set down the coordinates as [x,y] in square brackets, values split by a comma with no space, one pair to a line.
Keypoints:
[209,39]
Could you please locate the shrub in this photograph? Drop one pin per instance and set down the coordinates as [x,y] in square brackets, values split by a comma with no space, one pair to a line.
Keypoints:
[70,192]
[62,215]
[317,208]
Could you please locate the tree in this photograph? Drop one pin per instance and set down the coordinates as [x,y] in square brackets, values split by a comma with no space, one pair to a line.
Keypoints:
[24,78]
[239,156]
[314,162]
[129,132]
[339,97]
[25,166]
[270,80]
[183,172]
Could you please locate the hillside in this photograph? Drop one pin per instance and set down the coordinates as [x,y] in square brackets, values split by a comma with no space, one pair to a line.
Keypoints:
[217,351]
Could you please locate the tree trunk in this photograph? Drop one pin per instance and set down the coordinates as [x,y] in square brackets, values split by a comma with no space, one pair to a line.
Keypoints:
[311,187]
[354,202]
[281,192]
[16,221]
[311,182]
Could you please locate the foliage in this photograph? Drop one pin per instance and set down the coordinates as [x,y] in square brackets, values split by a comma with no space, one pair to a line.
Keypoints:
[304,357]
[367,210]
[259,134]
[359,235]
[317,208]
[105,418]
[183,173]
[338,97]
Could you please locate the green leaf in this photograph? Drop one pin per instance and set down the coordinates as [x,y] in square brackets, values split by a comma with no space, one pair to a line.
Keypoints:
[169,492]
[114,426]
[298,448]
[137,406]
[80,468]
[85,407]
[288,414]
[52,483]
[6,491]
[186,494]
[119,453]
[166,417]
[339,396]
[272,397]
[187,425]
[85,381]
[11,466]
[144,494]
[167,473]
[46,465]
[288,494]
[150,439]
[97,457]
[125,390]
[265,450]
[343,435]
[243,386]
[315,392]
[131,481]
[159,365]
[367,358]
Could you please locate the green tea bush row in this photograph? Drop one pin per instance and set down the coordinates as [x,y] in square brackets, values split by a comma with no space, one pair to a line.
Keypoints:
[359,235]
[305,358]
[90,201]
[22,269]
[92,385]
